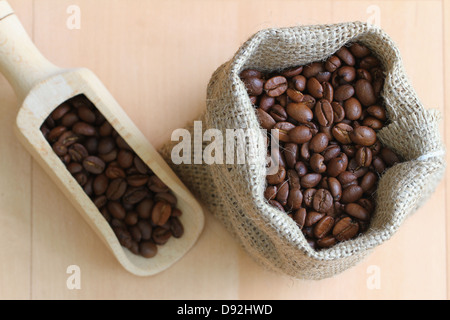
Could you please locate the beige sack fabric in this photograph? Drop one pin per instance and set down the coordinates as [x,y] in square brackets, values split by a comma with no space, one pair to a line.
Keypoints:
[234,193]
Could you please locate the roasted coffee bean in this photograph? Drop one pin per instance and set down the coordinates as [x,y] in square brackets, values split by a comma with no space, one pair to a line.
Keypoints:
[326,242]
[254,85]
[271,192]
[346,56]
[283,193]
[77,152]
[84,129]
[144,208]
[116,189]
[363,136]
[322,200]
[368,181]
[60,111]
[176,227]
[353,109]
[93,164]
[265,119]
[314,88]
[100,184]
[294,200]
[317,163]
[323,227]
[276,86]
[357,211]
[310,180]
[324,113]
[312,69]
[278,113]
[365,93]
[134,195]
[300,112]
[68,138]
[351,194]
[312,217]
[363,156]
[319,142]
[344,92]
[283,129]
[337,165]
[300,134]
[300,217]
[161,213]
[116,210]
[161,235]
[389,157]
[345,229]
[148,249]
[277,177]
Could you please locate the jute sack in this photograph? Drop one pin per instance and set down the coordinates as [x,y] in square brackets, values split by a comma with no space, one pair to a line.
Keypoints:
[234,193]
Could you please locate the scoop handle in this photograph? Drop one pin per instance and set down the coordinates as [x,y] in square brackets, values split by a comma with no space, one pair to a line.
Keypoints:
[20,61]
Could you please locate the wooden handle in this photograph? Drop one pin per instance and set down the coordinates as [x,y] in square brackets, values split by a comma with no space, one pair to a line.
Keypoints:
[20,61]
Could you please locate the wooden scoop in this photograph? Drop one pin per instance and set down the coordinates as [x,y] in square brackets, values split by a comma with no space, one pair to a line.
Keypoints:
[41,87]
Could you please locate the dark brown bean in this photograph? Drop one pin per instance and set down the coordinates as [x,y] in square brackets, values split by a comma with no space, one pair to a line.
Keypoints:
[324,113]
[161,213]
[345,229]
[300,112]
[357,211]
[300,134]
[365,93]
[363,136]
[322,201]
[254,85]
[93,164]
[323,227]
[276,86]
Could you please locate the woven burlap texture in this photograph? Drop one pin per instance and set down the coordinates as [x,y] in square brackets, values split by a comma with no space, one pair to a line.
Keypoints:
[234,193]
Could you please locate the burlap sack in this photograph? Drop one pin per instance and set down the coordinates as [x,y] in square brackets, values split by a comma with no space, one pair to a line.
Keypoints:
[234,193]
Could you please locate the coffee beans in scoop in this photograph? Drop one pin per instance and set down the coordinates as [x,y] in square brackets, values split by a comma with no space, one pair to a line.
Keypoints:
[141,210]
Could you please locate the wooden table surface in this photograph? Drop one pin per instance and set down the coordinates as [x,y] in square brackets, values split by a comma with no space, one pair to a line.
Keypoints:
[156,58]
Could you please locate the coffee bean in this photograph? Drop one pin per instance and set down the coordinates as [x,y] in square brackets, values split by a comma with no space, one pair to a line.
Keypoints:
[77,152]
[84,129]
[300,112]
[148,249]
[357,211]
[94,164]
[276,86]
[176,227]
[323,227]
[315,88]
[322,200]
[161,235]
[100,184]
[345,229]
[365,93]
[344,92]
[363,136]
[324,113]
[300,134]
[161,213]
[116,210]
[300,217]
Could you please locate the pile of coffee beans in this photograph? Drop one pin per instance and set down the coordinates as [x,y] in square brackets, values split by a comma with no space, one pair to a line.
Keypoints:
[327,115]
[138,206]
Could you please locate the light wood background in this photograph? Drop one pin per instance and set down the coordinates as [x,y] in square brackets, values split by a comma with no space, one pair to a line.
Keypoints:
[156,58]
